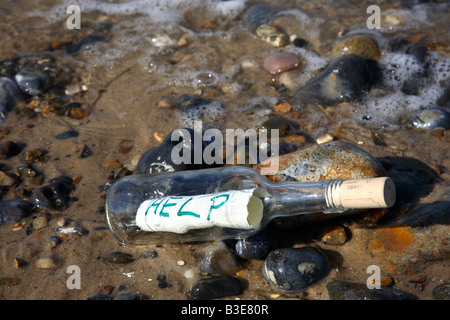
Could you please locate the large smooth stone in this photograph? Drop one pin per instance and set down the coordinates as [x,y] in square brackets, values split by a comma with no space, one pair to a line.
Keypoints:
[331,160]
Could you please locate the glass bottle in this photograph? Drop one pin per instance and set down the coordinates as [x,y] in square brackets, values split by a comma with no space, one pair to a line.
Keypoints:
[227,202]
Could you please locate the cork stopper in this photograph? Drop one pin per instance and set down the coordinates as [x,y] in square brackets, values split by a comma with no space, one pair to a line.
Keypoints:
[367,193]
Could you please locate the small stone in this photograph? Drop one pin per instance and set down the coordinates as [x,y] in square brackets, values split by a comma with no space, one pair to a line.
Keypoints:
[280,62]
[149,254]
[19,263]
[165,103]
[216,287]
[131,296]
[281,108]
[189,274]
[111,165]
[32,155]
[341,290]
[257,246]
[363,46]
[117,257]
[9,149]
[162,281]
[334,236]
[84,152]
[67,134]
[8,93]
[55,195]
[181,263]
[78,113]
[7,180]
[99,296]
[55,241]
[14,210]
[442,291]
[32,81]
[272,35]
[125,146]
[48,263]
[325,138]
[295,269]
[40,222]
[432,119]
[343,80]
[217,259]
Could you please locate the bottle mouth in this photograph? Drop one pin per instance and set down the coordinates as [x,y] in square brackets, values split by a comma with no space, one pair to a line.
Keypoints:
[332,196]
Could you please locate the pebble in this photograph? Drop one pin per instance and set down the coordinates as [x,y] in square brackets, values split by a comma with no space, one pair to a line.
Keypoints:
[131,296]
[216,287]
[442,291]
[48,263]
[330,160]
[159,159]
[259,14]
[19,263]
[55,195]
[163,282]
[272,35]
[342,290]
[14,210]
[294,269]
[257,246]
[32,81]
[432,119]
[9,149]
[280,62]
[99,296]
[8,93]
[363,46]
[40,222]
[67,134]
[334,236]
[343,80]
[117,257]
[7,180]
[32,155]
[216,258]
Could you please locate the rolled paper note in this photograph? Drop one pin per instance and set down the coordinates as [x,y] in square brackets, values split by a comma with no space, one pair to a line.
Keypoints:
[238,209]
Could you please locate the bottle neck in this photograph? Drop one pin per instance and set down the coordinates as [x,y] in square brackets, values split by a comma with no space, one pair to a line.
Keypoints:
[294,198]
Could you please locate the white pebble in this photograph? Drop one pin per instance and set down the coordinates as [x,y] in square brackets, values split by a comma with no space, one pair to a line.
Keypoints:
[181,263]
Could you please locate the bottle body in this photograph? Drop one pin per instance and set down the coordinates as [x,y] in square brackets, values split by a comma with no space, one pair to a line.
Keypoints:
[126,197]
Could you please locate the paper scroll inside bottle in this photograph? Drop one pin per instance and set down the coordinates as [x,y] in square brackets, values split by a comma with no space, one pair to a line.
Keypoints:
[237,209]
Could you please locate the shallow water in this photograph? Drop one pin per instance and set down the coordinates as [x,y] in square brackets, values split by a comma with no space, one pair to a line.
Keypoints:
[137,53]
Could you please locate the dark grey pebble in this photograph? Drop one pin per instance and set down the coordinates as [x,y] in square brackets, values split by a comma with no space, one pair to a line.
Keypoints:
[9,149]
[442,291]
[259,14]
[55,195]
[344,79]
[131,296]
[117,257]
[342,290]
[67,134]
[256,247]
[159,159]
[8,92]
[294,269]
[149,254]
[85,152]
[163,282]
[99,296]
[432,119]
[216,287]
[14,210]
[32,81]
